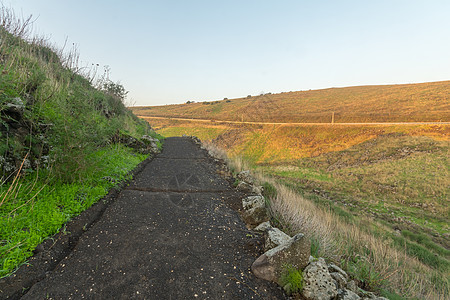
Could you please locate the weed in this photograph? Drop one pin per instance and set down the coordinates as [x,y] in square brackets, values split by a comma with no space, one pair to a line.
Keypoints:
[291,279]
[269,190]
[315,247]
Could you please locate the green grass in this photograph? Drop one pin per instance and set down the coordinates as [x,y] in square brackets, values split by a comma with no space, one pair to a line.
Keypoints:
[40,206]
[63,134]
[423,254]
[426,241]
[293,278]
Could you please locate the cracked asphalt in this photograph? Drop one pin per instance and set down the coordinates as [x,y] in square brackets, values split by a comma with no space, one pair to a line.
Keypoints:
[170,234]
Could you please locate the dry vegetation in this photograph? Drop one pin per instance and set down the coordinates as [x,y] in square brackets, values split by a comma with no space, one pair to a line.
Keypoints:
[424,102]
[372,259]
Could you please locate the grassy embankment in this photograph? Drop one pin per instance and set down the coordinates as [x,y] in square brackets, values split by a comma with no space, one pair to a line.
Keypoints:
[57,157]
[385,187]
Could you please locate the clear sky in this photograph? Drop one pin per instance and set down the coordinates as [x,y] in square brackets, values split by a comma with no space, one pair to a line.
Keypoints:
[171,51]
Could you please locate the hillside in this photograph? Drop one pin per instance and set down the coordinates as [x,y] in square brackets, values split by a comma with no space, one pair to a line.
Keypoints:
[66,139]
[422,102]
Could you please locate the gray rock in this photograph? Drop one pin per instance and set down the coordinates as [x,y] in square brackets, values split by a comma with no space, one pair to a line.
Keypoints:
[257,189]
[263,227]
[196,140]
[317,282]
[345,294]
[253,201]
[340,279]
[295,252]
[16,105]
[149,138]
[244,187]
[246,177]
[255,211]
[333,268]
[367,295]
[352,286]
[255,216]
[274,238]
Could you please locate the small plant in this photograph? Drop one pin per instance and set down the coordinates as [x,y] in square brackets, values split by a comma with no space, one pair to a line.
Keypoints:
[270,191]
[291,279]
[315,247]
[236,182]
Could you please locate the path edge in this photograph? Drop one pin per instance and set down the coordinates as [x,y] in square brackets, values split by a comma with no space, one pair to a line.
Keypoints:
[53,249]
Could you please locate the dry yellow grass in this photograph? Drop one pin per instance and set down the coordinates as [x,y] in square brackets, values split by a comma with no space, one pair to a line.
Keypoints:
[389,103]
[342,242]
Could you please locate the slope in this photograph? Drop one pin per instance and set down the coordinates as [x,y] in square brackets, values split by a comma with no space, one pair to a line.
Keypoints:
[422,102]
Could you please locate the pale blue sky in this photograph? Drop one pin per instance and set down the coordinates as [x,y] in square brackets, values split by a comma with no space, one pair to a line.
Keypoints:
[173,51]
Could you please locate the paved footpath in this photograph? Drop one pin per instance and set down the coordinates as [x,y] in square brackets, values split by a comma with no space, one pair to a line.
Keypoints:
[169,235]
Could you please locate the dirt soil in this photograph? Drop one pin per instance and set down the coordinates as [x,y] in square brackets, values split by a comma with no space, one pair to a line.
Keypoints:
[172,233]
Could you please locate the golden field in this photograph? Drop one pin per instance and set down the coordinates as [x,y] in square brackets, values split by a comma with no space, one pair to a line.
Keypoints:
[424,102]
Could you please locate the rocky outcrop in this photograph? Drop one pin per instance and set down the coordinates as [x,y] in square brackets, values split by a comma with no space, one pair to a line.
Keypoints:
[317,282]
[144,145]
[295,252]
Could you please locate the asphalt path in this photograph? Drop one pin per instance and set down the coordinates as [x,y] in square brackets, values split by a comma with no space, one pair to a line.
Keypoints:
[170,234]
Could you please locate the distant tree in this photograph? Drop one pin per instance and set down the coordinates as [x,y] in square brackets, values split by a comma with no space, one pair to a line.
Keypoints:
[225,98]
[249,96]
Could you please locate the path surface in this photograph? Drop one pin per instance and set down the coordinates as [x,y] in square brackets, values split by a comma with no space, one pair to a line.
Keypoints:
[169,235]
[299,124]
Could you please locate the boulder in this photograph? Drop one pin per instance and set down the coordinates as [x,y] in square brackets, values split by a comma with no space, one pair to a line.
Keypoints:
[295,252]
[345,294]
[263,227]
[274,238]
[317,282]
[246,177]
[244,187]
[254,210]
[255,216]
[253,201]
